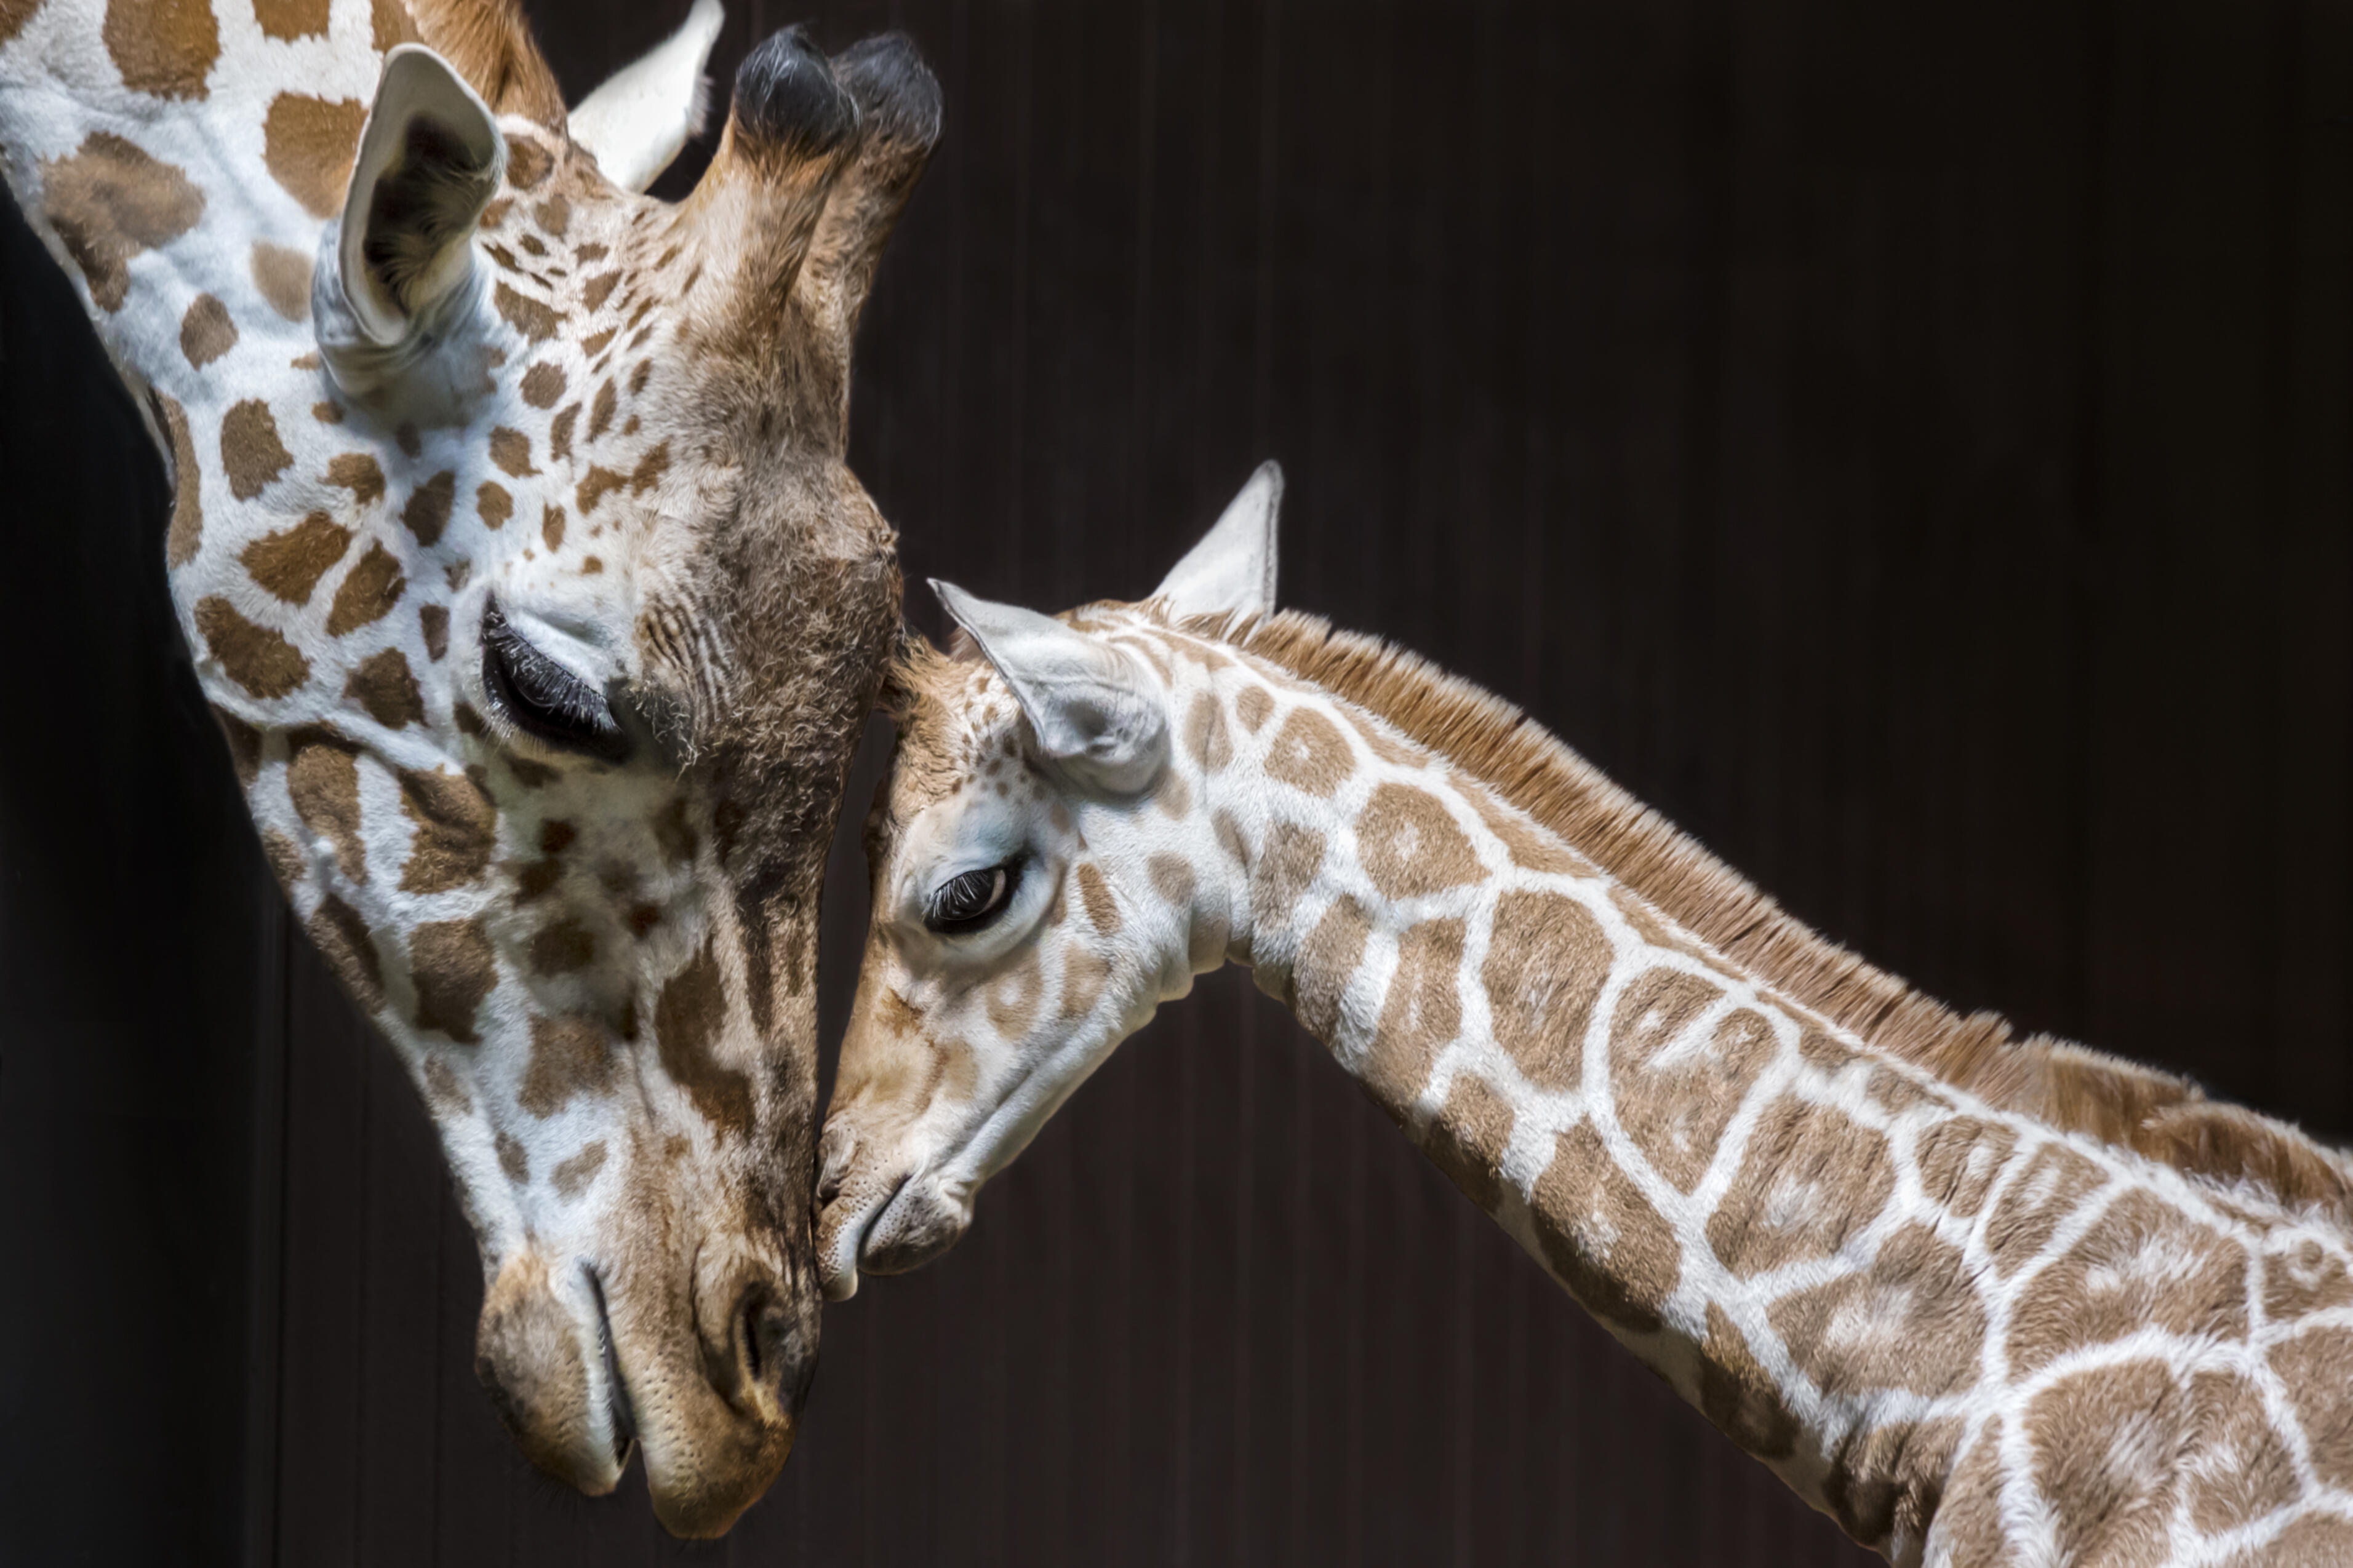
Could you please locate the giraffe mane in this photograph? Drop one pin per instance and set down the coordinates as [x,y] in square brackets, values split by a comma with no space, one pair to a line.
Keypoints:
[2067,1086]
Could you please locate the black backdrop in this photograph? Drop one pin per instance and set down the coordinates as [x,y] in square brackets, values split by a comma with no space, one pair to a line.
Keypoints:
[1910,445]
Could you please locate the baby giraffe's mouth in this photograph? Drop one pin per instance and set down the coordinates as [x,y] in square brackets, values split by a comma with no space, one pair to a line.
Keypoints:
[617,1392]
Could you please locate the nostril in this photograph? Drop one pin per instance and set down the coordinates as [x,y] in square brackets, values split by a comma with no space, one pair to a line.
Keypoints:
[835,1149]
[773,1351]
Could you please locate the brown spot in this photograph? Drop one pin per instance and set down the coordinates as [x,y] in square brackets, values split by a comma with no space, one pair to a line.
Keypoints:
[2108,1441]
[285,858]
[528,163]
[594,486]
[457,824]
[645,371]
[358,473]
[568,1057]
[1528,845]
[1012,998]
[593,295]
[1251,707]
[562,947]
[588,253]
[1172,796]
[383,686]
[510,450]
[551,526]
[433,620]
[512,1160]
[1206,740]
[187,530]
[427,512]
[14,14]
[244,744]
[1970,1522]
[573,1176]
[1102,911]
[327,413]
[536,321]
[492,504]
[1910,1322]
[2055,1180]
[1547,960]
[1308,753]
[1172,878]
[594,344]
[453,967]
[1327,960]
[1958,1158]
[1675,1095]
[290,18]
[600,413]
[1420,1015]
[2313,1367]
[2314,1541]
[1739,1396]
[1411,847]
[1809,1179]
[165,48]
[322,778]
[554,214]
[2306,1279]
[1468,1137]
[256,657]
[543,385]
[370,590]
[307,145]
[2142,1264]
[1602,1237]
[1886,1482]
[206,332]
[1287,868]
[556,835]
[342,939]
[1084,974]
[251,452]
[559,432]
[2242,1469]
[688,1021]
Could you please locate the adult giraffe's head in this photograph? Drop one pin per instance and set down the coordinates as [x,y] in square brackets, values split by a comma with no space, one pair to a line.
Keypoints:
[515,543]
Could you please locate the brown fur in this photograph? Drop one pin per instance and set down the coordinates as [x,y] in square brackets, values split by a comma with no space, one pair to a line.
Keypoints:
[2064,1086]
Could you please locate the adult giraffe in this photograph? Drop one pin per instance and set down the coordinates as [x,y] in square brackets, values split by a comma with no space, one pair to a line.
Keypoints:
[515,543]
[1983,1301]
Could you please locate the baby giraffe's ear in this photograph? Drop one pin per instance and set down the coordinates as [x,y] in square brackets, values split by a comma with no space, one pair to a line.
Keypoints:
[429,160]
[1093,707]
[1231,571]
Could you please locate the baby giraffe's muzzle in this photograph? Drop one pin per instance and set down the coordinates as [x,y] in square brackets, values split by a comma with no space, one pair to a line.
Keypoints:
[879,1212]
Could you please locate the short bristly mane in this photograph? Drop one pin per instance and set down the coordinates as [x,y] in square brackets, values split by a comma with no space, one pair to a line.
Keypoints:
[2059,1084]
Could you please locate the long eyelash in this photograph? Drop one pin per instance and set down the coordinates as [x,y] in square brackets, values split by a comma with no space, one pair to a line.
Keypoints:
[551,695]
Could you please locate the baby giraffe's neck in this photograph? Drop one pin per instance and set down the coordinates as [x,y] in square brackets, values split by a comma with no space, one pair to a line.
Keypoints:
[1961,1331]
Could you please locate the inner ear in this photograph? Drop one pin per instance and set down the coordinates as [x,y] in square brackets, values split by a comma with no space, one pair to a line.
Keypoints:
[429,160]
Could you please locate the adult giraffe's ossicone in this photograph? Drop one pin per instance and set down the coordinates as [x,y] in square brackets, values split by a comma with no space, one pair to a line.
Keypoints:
[517,552]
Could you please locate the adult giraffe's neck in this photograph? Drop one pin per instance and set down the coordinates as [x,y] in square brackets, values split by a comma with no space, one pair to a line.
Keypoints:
[182,161]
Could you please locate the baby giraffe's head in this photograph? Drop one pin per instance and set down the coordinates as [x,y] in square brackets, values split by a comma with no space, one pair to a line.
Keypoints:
[1051,861]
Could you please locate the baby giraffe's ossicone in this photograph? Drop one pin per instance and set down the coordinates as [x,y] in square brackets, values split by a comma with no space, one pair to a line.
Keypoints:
[1978,1300]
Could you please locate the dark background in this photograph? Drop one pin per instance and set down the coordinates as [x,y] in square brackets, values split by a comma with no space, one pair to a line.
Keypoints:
[1908,444]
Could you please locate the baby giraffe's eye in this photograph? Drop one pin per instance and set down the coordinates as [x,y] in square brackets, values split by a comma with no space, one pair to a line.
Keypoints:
[964,904]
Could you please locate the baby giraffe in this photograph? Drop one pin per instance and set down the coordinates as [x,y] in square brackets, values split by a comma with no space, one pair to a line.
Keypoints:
[1981,1300]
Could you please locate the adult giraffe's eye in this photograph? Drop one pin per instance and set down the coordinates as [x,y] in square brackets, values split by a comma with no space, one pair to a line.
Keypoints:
[964,904]
[542,698]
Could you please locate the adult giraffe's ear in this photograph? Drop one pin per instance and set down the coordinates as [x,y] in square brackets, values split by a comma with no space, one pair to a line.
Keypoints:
[644,114]
[429,160]
[1091,704]
[1231,569]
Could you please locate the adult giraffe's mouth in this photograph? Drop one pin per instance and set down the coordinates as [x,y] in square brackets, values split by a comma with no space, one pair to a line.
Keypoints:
[616,1392]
